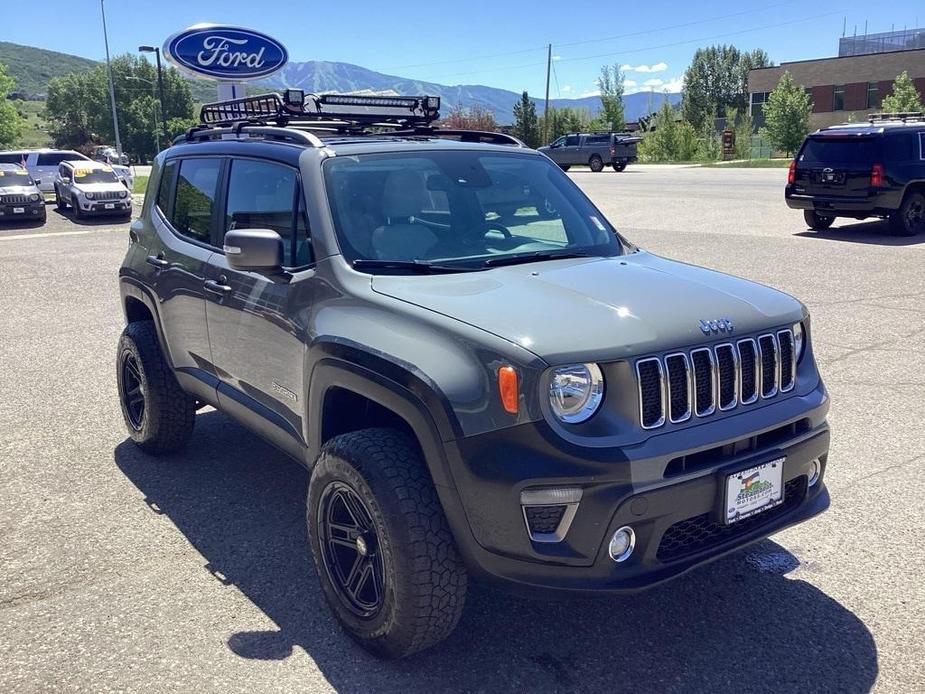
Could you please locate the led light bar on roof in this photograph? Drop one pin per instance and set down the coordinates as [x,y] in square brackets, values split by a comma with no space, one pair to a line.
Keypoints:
[357,100]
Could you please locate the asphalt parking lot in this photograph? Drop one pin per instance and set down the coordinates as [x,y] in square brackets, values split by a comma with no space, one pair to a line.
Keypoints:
[122,572]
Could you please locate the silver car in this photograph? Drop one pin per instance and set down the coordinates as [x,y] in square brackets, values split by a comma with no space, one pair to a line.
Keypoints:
[42,165]
[20,199]
[91,188]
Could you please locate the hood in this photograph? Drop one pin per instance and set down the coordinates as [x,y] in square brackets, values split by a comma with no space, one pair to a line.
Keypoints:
[18,190]
[100,187]
[597,309]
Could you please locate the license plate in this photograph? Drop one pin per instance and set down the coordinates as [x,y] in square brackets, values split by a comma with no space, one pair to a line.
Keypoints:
[19,210]
[109,206]
[754,490]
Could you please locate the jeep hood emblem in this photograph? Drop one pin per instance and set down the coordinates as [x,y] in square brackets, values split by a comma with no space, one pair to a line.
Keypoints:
[717,326]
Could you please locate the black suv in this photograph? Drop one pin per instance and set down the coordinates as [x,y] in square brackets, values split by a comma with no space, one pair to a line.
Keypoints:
[875,169]
[483,377]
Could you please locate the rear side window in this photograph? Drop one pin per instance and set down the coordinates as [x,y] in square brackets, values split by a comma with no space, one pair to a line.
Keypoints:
[840,151]
[165,191]
[597,139]
[922,146]
[12,157]
[194,201]
[263,195]
[571,141]
[53,159]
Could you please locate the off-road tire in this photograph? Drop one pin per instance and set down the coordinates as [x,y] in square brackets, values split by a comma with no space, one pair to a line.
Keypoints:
[619,166]
[424,584]
[169,414]
[596,163]
[59,200]
[909,219]
[816,221]
[78,213]
[565,167]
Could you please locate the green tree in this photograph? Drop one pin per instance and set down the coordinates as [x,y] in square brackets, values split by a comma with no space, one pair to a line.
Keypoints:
[718,78]
[562,121]
[80,114]
[178,126]
[660,141]
[904,97]
[611,85]
[526,124]
[786,115]
[11,123]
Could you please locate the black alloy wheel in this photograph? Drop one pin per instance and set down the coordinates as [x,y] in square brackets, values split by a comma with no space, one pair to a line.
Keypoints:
[350,550]
[910,219]
[132,390]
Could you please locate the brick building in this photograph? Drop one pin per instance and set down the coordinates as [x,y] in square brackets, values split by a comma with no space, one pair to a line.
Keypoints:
[840,87]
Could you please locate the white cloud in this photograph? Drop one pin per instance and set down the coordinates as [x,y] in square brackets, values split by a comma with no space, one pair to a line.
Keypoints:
[566,88]
[557,57]
[596,92]
[629,84]
[653,83]
[657,67]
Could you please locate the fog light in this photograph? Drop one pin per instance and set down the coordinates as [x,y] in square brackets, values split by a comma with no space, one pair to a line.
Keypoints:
[622,544]
[815,470]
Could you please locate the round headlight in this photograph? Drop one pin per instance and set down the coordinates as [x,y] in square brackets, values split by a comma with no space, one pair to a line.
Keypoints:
[575,392]
[123,193]
[88,196]
[799,341]
[35,197]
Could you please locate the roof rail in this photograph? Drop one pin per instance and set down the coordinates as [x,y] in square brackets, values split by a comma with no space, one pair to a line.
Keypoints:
[904,116]
[245,127]
[484,136]
[332,112]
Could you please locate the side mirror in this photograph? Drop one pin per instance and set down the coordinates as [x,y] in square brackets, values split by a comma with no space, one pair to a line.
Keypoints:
[257,250]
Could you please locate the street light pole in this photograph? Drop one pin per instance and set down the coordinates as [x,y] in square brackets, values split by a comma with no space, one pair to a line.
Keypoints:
[160,83]
[112,89]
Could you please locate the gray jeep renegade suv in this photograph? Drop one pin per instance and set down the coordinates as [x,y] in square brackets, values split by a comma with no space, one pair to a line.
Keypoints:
[484,378]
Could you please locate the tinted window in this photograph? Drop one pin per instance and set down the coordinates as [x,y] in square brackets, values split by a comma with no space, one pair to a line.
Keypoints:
[12,157]
[838,98]
[459,206]
[53,159]
[597,139]
[195,198]
[571,141]
[165,191]
[262,195]
[922,145]
[828,151]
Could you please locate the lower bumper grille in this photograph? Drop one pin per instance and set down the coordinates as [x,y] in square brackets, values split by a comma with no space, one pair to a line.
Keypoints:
[544,519]
[705,531]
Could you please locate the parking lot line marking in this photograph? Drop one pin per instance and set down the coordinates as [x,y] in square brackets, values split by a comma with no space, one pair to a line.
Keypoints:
[46,234]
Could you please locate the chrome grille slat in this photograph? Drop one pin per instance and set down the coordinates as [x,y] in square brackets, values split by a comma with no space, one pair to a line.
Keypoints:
[15,199]
[678,372]
[770,365]
[788,361]
[108,195]
[704,381]
[727,370]
[718,378]
[651,392]
[748,371]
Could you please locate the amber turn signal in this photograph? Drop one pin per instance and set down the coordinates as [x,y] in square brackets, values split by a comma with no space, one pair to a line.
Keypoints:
[507,387]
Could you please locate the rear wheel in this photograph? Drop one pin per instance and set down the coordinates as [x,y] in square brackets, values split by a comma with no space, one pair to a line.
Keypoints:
[596,163]
[619,165]
[159,416]
[909,219]
[384,554]
[816,221]
[565,167]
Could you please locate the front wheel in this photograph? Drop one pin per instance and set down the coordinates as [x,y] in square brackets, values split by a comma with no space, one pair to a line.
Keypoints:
[816,221]
[596,163]
[909,220]
[60,202]
[384,553]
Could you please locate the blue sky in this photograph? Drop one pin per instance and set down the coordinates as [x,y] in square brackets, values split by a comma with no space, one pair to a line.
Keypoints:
[501,44]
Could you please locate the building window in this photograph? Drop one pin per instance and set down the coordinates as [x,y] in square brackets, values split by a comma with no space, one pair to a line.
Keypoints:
[873,95]
[838,100]
[759,99]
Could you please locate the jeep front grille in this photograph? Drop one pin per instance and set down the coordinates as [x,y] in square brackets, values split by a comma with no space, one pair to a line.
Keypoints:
[15,199]
[108,195]
[718,378]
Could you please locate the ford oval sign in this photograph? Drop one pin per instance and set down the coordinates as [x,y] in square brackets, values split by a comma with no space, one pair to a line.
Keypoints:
[225,52]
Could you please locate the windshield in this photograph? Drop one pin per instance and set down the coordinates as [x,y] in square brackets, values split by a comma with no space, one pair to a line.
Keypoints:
[94,176]
[840,151]
[15,178]
[465,208]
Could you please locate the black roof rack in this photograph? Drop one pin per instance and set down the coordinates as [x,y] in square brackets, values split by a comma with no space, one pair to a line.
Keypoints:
[903,116]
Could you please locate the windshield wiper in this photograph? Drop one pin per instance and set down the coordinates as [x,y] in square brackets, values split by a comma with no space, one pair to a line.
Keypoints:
[536,256]
[420,266]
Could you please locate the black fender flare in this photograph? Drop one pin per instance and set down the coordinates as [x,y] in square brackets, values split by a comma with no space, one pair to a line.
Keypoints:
[130,287]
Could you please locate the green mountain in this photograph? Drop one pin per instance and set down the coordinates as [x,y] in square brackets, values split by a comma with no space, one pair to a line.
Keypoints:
[33,67]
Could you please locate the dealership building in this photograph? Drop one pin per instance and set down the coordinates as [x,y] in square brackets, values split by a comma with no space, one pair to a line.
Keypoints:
[846,87]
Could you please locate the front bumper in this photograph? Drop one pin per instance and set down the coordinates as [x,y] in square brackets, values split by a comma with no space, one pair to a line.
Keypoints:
[101,207]
[29,211]
[675,513]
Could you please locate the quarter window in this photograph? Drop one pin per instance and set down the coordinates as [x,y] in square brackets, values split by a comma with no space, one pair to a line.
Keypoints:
[922,146]
[195,198]
[165,191]
[263,195]
[838,98]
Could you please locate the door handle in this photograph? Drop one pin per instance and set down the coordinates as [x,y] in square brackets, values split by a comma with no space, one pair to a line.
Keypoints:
[217,287]
[157,261]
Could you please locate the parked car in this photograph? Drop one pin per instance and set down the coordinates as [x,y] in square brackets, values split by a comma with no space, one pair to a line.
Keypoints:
[91,188]
[20,198]
[42,164]
[861,170]
[109,155]
[526,399]
[594,149]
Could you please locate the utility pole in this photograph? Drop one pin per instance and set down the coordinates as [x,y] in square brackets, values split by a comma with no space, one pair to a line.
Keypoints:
[546,105]
[112,90]
[160,83]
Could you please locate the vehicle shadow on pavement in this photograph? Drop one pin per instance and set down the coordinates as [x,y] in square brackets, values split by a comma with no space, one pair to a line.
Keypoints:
[102,220]
[876,232]
[739,624]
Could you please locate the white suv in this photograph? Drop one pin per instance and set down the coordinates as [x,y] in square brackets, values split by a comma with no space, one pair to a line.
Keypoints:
[91,188]
[42,165]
